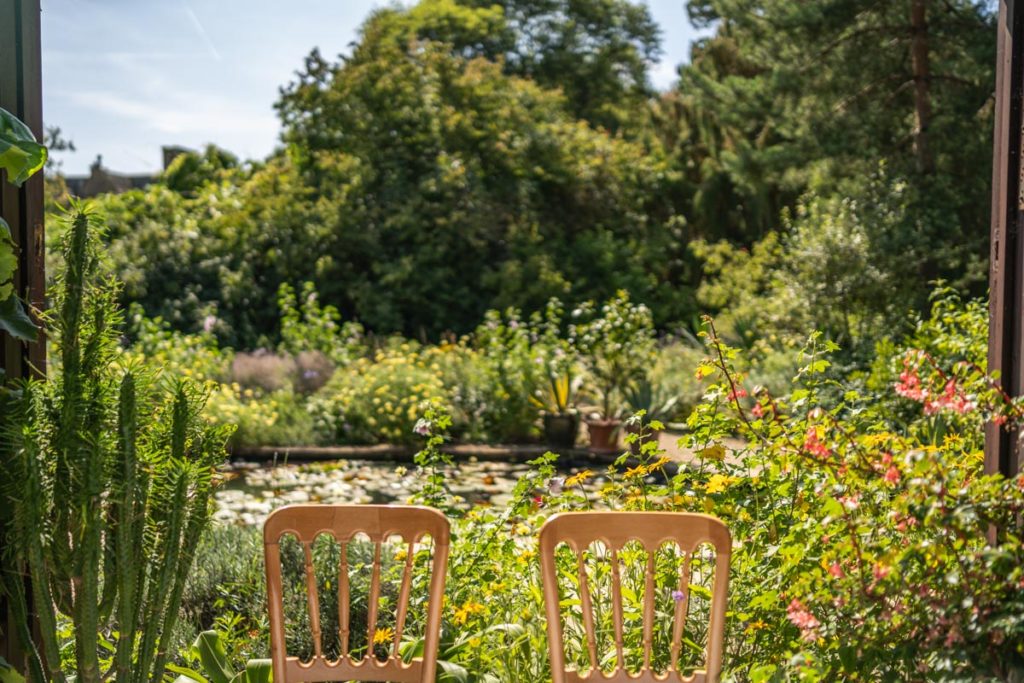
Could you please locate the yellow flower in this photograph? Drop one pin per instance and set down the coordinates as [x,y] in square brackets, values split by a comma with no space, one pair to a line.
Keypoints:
[383,636]
[659,463]
[638,471]
[717,483]
[756,626]
[526,556]
[462,614]
[578,478]
[715,452]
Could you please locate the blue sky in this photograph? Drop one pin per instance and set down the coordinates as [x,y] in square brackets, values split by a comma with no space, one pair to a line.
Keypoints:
[123,77]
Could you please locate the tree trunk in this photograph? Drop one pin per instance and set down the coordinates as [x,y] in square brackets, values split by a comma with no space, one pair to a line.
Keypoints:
[922,84]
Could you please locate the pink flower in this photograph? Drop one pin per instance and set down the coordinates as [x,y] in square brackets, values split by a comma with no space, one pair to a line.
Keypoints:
[836,571]
[851,503]
[880,571]
[803,620]
[422,427]
[909,385]
[951,398]
[814,445]
[892,475]
[737,394]
[757,410]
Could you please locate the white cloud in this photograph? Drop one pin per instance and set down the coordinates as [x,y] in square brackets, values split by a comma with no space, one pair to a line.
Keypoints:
[178,113]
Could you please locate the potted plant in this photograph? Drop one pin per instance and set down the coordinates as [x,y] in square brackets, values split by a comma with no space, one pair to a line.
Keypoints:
[651,404]
[556,397]
[558,409]
[617,345]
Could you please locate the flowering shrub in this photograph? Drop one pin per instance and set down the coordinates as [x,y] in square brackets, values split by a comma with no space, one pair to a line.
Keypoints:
[379,399]
[261,419]
[508,349]
[617,345]
[860,552]
[195,356]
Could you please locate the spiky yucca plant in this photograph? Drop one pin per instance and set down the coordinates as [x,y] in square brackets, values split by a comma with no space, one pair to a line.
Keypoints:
[108,486]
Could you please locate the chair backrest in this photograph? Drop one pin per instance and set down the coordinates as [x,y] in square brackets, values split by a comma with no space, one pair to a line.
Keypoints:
[344,522]
[652,530]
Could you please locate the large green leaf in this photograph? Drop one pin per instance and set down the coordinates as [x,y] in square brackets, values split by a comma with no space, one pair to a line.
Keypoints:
[8,674]
[186,675]
[257,671]
[210,649]
[20,155]
[15,321]
[8,260]
[13,318]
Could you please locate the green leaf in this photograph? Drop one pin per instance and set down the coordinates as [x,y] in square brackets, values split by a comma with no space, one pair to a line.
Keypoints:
[8,674]
[761,674]
[259,671]
[20,155]
[15,321]
[214,657]
[8,260]
[186,675]
[452,673]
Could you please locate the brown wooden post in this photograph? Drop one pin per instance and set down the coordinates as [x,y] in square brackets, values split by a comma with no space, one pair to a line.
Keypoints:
[1006,275]
[22,208]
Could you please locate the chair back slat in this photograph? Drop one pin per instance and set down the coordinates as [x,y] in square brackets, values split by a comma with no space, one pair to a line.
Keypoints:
[681,610]
[344,629]
[343,523]
[373,601]
[403,597]
[312,599]
[649,598]
[620,656]
[652,530]
[588,612]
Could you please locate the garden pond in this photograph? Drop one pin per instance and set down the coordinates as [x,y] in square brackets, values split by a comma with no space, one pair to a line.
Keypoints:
[252,490]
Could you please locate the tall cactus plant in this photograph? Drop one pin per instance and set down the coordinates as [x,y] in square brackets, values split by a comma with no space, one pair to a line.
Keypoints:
[109,476]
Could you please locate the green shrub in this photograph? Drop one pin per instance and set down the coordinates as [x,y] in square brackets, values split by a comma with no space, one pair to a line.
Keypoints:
[278,418]
[616,344]
[377,400]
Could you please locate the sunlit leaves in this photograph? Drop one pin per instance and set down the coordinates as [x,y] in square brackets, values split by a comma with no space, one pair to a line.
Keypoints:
[20,155]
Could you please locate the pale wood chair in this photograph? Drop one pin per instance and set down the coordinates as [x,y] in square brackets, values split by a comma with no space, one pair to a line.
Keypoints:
[344,522]
[579,530]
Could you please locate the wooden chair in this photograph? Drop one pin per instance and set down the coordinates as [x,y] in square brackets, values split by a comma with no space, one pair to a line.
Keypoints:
[344,522]
[579,530]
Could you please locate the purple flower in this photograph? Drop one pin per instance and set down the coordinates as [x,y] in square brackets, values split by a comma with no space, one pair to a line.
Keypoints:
[209,322]
[678,596]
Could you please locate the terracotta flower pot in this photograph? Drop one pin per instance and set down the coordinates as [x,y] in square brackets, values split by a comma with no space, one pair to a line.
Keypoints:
[652,435]
[560,429]
[604,435]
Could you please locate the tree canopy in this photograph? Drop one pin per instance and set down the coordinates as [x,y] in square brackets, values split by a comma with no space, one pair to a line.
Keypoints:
[469,154]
